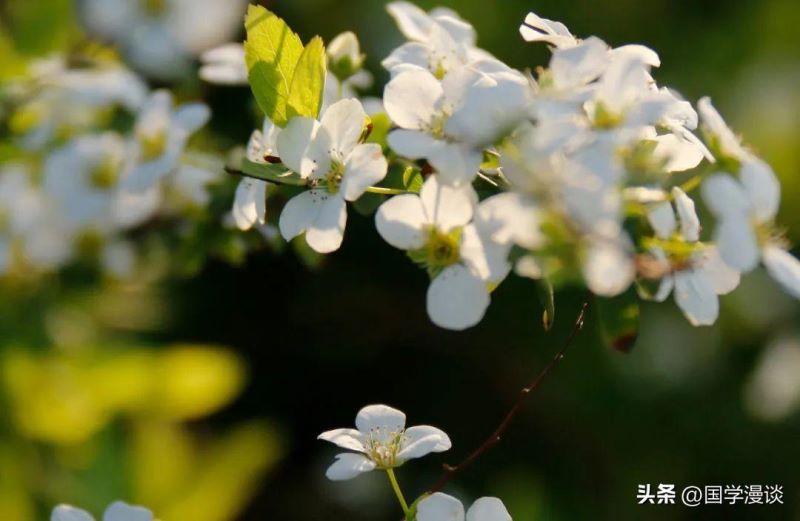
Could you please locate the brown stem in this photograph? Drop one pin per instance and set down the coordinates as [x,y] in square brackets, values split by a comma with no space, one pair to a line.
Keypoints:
[450,471]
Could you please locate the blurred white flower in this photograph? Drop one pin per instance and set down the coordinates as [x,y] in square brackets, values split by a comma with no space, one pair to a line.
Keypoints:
[224,65]
[117,511]
[338,168]
[381,441]
[772,391]
[442,507]
[250,203]
[436,228]
[694,272]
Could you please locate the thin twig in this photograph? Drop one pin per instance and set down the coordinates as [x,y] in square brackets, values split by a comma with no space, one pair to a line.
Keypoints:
[451,471]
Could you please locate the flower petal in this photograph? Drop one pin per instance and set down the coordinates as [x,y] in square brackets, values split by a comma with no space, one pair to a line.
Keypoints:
[457,164]
[722,277]
[249,205]
[345,438]
[409,54]
[762,187]
[401,221]
[696,298]
[294,140]
[327,231]
[446,206]
[192,116]
[365,167]
[68,513]
[487,259]
[412,99]
[784,268]
[414,144]
[511,218]
[690,224]
[737,242]
[380,418]
[344,122]
[724,195]
[119,511]
[299,213]
[440,507]
[457,299]
[488,509]
[421,440]
[607,267]
[413,22]
[662,219]
[349,465]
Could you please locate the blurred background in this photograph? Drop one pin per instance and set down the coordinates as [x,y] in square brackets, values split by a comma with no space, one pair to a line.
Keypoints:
[201,395]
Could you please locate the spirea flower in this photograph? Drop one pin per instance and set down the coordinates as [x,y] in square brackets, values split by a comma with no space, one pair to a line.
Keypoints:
[117,511]
[381,441]
[250,203]
[442,507]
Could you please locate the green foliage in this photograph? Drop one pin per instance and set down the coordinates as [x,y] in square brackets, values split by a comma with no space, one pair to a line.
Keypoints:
[287,79]
[619,320]
[270,172]
[412,179]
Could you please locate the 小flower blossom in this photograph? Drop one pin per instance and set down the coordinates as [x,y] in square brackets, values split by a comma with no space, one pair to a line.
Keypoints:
[449,123]
[442,507]
[381,441]
[329,155]
[344,55]
[436,228]
[117,511]
[694,272]
[250,202]
[224,65]
[161,133]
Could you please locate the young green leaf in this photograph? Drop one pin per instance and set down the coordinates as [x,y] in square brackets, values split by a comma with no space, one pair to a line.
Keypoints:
[619,320]
[272,52]
[308,81]
[545,292]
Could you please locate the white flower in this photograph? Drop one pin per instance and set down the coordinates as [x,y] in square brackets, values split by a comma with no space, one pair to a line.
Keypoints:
[117,511]
[450,122]
[441,507]
[694,271]
[436,229]
[721,137]
[344,55]
[381,440]
[224,65]
[250,203]
[538,29]
[328,154]
[161,134]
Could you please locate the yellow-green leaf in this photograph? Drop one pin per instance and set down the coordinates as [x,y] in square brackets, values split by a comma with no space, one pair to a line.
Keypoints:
[272,52]
[308,81]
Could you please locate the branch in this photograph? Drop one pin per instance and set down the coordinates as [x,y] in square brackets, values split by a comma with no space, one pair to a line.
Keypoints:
[451,471]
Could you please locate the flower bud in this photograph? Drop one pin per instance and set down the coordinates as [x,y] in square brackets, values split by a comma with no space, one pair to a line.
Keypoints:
[344,56]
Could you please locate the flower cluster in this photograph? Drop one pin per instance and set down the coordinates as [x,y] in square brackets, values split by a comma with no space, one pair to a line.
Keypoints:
[580,174]
[113,156]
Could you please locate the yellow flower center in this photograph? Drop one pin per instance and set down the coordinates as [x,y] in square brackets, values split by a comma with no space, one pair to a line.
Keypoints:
[439,251]
[153,144]
[333,180]
[105,174]
[25,119]
[605,118]
[382,447]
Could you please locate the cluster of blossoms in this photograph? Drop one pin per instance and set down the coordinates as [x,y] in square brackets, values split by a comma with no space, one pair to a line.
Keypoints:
[113,156]
[579,175]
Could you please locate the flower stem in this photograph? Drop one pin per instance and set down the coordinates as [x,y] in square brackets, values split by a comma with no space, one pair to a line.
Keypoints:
[397,491]
[386,191]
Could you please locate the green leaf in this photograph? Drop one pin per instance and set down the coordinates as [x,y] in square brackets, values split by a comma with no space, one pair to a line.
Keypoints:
[272,52]
[619,320]
[308,81]
[269,172]
[545,292]
[412,179]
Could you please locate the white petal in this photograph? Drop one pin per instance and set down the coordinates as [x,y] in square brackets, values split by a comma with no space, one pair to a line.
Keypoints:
[784,268]
[401,222]
[294,140]
[445,206]
[690,223]
[365,167]
[456,163]
[68,513]
[380,417]
[487,258]
[119,511]
[737,242]
[457,299]
[414,144]
[608,267]
[576,66]
[762,187]
[412,99]
[192,116]
[728,142]
[680,154]
[249,205]
[643,53]
[722,277]
[412,21]
[299,213]
[696,298]
[327,231]
[409,54]
[344,121]
[724,195]
[349,465]
[662,219]
[440,507]
[537,29]
[511,219]
[423,439]
[345,438]
[488,509]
